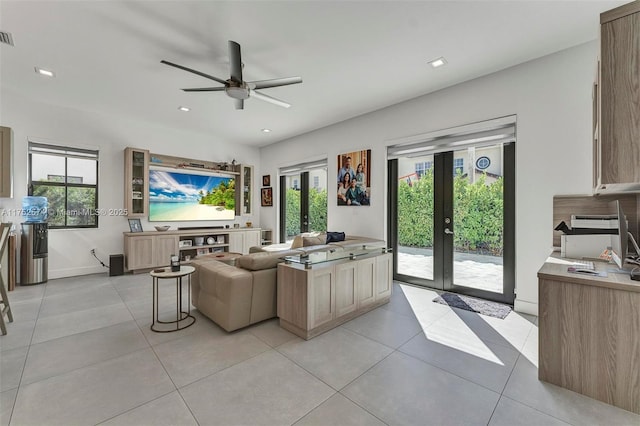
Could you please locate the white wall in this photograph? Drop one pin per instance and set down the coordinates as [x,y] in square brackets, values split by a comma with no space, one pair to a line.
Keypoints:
[69,250]
[551,97]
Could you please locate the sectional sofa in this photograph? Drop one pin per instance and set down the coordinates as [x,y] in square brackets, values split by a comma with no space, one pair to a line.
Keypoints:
[235,296]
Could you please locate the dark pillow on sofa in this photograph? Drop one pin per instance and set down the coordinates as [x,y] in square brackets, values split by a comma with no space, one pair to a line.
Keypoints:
[333,237]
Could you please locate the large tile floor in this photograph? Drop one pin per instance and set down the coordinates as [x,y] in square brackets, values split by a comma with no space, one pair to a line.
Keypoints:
[80,352]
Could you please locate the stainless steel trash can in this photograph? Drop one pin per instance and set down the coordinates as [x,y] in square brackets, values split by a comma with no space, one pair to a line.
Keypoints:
[34,253]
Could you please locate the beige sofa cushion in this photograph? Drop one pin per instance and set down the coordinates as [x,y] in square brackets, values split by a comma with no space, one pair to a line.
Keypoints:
[264,260]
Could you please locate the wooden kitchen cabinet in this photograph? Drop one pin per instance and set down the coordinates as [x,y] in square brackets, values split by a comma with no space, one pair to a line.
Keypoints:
[6,162]
[617,99]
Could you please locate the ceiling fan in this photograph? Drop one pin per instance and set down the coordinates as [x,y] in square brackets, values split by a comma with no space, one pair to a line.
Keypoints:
[235,87]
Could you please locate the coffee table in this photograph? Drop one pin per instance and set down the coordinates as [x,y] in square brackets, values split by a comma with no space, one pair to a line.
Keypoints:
[183,319]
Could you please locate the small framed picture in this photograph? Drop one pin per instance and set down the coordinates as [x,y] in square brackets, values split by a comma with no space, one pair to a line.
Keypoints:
[266,197]
[266,180]
[135,225]
[202,251]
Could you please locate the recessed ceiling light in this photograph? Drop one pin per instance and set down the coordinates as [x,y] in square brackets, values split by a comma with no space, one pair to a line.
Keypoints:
[45,72]
[184,108]
[266,130]
[438,62]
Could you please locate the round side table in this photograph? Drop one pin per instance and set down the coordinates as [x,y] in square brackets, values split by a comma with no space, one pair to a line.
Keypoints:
[183,319]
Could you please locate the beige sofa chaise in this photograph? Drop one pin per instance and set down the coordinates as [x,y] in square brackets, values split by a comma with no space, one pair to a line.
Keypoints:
[237,296]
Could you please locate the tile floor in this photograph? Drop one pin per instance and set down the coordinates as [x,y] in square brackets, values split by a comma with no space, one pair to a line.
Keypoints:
[80,352]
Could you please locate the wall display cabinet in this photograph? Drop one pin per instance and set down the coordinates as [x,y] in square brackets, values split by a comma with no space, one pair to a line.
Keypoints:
[316,295]
[246,186]
[617,101]
[136,182]
[146,250]
[6,162]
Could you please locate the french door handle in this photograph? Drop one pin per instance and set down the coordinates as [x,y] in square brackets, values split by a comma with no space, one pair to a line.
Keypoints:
[448,231]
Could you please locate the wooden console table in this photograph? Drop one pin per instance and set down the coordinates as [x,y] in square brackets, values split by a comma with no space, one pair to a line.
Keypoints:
[323,290]
[589,330]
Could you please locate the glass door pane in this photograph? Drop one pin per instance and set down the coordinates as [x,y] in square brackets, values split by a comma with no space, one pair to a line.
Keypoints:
[478,218]
[292,207]
[317,200]
[415,217]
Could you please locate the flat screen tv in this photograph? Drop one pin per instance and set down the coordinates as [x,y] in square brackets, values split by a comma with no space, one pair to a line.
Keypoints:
[188,195]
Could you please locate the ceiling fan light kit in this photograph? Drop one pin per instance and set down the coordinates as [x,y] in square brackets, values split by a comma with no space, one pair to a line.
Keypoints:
[235,87]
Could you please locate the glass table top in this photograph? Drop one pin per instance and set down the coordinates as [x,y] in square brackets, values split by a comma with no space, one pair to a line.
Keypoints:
[344,253]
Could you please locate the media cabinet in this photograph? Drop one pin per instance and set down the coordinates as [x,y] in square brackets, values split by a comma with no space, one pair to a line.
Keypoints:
[147,250]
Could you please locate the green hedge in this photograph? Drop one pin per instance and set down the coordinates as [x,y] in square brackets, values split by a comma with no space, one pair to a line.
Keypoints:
[317,211]
[478,213]
[477,216]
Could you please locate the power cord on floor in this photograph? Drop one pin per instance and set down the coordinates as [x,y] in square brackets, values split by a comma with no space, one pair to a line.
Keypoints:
[93,252]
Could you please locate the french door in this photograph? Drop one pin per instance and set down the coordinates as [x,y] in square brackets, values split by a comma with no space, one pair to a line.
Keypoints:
[452,220]
[303,203]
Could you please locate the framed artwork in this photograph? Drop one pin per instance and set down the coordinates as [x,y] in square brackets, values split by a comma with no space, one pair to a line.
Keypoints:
[266,197]
[266,180]
[202,251]
[135,225]
[354,174]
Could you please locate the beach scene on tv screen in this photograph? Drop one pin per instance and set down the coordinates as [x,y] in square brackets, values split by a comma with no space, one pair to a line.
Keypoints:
[175,196]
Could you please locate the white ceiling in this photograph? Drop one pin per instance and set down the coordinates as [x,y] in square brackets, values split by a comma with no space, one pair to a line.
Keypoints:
[354,56]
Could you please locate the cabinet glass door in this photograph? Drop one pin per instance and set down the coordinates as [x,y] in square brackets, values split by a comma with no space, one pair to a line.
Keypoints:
[247,175]
[136,182]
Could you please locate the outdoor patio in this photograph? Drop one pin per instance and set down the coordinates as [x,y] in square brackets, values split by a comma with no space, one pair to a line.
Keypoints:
[470,270]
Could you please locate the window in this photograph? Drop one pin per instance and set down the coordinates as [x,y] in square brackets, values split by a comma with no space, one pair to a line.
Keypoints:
[422,167]
[303,199]
[483,163]
[68,177]
[458,166]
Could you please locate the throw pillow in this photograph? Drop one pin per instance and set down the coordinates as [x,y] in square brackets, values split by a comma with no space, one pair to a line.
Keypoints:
[313,241]
[297,242]
[333,237]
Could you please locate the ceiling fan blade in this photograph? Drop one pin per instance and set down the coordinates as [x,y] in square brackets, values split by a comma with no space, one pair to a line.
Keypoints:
[205,89]
[262,84]
[235,59]
[201,74]
[239,103]
[270,99]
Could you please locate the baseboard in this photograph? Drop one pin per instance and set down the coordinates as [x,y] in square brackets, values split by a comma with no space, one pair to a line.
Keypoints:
[73,272]
[526,307]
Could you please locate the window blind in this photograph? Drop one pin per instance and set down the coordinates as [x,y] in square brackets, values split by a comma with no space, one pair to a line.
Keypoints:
[62,151]
[302,167]
[492,132]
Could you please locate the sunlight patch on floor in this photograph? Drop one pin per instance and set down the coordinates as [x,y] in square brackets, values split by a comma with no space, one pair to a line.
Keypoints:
[463,339]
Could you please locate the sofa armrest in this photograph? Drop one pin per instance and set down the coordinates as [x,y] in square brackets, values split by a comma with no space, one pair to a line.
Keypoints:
[225,294]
